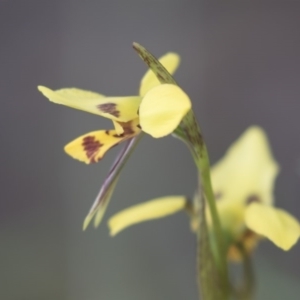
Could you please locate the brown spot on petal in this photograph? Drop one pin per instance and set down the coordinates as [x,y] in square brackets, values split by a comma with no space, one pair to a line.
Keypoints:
[110,108]
[91,147]
[118,135]
[127,128]
[139,126]
[252,198]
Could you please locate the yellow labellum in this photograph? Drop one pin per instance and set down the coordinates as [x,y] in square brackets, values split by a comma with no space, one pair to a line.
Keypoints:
[170,61]
[276,224]
[121,109]
[91,147]
[162,109]
[153,209]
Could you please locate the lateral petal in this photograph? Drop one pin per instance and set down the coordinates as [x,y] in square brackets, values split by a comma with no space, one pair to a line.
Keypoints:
[91,147]
[170,61]
[115,108]
[276,224]
[162,109]
[150,210]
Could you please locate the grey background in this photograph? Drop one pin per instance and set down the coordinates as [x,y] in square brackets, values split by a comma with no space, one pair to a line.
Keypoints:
[240,66]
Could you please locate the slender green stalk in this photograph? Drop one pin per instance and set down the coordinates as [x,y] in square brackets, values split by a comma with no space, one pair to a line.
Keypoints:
[208,277]
[189,132]
[194,138]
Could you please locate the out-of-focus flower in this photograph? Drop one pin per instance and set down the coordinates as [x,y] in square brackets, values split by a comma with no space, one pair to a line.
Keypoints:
[157,110]
[243,182]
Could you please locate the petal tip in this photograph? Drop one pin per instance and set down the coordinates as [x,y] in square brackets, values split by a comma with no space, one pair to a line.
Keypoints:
[112,231]
[136,45]
[86,222]
[43,89]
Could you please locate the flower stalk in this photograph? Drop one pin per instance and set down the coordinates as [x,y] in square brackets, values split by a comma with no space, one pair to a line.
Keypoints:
[201,158]
[189,131]
[208,277]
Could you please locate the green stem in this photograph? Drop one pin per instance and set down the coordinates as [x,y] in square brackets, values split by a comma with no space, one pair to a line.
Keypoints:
[193,134]
[189,131]
[208,277]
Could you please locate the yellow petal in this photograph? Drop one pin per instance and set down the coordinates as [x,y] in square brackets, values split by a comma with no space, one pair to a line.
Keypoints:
[162,109]
[91,147]
[153,209]
[276,224]
[170,61]
[119,129]
[247,171]
[115,108]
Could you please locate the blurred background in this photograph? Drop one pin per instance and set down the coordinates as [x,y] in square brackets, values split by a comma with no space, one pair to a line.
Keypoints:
[240,66]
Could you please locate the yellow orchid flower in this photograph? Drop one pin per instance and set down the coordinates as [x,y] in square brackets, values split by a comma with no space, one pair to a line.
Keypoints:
[157,110]
[243,183]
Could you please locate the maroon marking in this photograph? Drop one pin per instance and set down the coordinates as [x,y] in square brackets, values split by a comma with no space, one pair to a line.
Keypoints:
[118,135]
[248,234]
[107,132]
[91,147]
[109,108]
[139,126]
[127,129]
[252,198]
